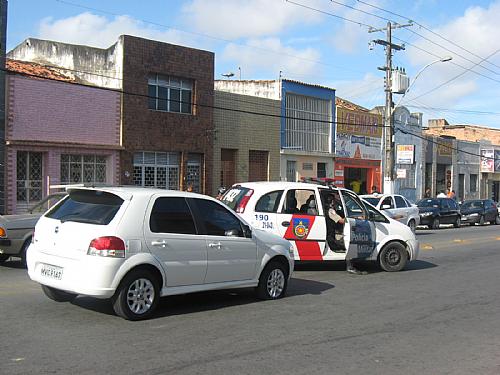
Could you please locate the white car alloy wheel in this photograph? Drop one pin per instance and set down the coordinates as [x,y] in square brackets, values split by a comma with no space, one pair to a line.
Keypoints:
[137,296]
[275,283]
[140,296]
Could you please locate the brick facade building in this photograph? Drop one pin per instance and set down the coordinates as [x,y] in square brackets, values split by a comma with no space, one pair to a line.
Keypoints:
[167,115]
[246,146]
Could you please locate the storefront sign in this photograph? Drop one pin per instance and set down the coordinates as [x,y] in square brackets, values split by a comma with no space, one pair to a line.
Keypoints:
[444,147]
[400,173]
[497,161]
[487,162]
[405,154]
[359,134]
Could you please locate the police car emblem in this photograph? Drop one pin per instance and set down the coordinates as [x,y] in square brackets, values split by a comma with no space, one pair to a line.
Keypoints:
[300,227]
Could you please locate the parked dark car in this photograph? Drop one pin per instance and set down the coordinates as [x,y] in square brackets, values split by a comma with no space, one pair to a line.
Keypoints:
[479,211]
[437,211]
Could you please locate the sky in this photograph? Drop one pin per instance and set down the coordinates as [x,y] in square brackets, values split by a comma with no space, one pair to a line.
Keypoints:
[322,42]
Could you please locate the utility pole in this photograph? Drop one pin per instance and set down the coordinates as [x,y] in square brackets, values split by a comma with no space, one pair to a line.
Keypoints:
[3,42]
[388,133]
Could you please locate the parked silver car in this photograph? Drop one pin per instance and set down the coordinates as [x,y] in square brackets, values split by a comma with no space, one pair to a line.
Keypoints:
[16,230]
[397,207]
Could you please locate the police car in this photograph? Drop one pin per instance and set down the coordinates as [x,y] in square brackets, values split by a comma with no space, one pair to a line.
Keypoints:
[297,212]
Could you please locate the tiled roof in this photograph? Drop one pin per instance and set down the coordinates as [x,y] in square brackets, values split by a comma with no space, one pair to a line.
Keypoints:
[37,70]
[339,102]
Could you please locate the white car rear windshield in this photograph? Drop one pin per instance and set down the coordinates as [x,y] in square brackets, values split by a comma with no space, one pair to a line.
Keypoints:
[233,196]
[87,206]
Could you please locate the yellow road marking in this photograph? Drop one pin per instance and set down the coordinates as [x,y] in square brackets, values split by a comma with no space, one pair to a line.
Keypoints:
[427,247]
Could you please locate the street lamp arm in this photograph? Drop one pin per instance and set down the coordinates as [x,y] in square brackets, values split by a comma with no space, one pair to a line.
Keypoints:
[444,59]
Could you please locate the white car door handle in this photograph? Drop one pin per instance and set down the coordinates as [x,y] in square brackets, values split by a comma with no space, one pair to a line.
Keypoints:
[161,243]
[216,245]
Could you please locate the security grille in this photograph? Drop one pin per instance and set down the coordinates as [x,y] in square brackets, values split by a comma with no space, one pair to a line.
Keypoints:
[193,171]
[291,170]
[308,124]
[29,176]
[156,169]
[78,169]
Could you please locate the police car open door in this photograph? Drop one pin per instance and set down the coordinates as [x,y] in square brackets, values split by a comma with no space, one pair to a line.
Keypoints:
[359,231]
[299,222]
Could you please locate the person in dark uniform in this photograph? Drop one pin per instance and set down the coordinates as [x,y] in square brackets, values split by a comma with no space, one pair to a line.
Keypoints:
[335,220]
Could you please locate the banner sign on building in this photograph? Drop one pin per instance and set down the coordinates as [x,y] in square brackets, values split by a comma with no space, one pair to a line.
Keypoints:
[359,134]
[400,173]
[497,161]
[405,154]
[487,162]
[444,147]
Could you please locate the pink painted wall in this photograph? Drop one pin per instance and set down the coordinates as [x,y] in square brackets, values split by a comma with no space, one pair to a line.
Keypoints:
[52,111]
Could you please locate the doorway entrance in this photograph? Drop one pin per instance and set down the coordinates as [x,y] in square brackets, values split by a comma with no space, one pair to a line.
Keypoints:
[357,179]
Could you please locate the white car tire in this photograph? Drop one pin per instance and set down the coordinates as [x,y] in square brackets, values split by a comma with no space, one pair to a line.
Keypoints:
[137,296]
[273,281]
[393,257]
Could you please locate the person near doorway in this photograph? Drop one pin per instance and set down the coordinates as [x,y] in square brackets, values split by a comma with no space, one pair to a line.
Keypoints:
[335,230]
[453,195]
[427,193]
[189,187]
[355,185]
[441,195]
[375,190]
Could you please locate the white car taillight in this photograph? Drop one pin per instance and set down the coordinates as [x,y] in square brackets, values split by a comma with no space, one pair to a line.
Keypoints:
[243,203]
[108,246]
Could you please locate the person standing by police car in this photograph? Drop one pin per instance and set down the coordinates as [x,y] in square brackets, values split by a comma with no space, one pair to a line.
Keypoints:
[335,231]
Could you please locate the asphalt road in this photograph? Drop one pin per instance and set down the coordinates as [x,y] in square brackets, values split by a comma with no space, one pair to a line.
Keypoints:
[439,316]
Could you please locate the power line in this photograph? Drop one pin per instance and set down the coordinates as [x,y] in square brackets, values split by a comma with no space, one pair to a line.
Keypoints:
[229,109]
[452,79]
[428,29]
[227,41]
[458,110]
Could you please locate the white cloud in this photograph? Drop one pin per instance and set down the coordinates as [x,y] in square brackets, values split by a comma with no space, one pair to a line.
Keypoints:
[478,31]
[257,56]
[233,19]
[98,31]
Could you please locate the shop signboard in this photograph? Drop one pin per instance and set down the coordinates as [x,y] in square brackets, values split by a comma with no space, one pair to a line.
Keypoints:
[400,173]
[359,134]
[405,154]
[487,162]
[497,161]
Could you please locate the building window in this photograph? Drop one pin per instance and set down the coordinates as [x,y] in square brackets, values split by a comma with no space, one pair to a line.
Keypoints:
[308,124]
[157,169]
[78,169]
[291,170]
[321,173]
[170,94]
[29,176]
[473,183]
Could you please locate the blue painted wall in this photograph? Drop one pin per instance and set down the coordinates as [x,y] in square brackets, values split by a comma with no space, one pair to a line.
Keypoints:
[306,90]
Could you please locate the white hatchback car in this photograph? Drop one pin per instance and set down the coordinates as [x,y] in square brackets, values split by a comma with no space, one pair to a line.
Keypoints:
[296,211]
[397,207]
[135,245]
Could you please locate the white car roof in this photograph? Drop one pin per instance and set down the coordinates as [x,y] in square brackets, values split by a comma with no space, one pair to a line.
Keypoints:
[267,185]
[127,192]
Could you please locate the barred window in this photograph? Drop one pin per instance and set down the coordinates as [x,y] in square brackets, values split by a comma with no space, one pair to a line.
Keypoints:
[170,94]
[78,169]
[308,124]
[156,169]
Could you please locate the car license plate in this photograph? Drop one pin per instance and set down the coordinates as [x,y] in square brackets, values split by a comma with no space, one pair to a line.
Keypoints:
[464,217]
[51,272]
